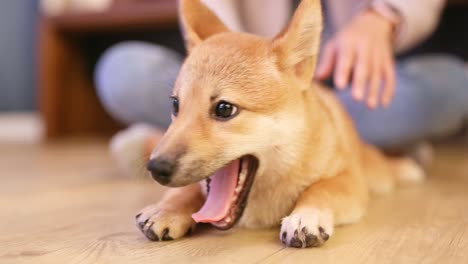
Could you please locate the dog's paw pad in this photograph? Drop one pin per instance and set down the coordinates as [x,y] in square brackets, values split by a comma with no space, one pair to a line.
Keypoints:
[163,225]
[306,228]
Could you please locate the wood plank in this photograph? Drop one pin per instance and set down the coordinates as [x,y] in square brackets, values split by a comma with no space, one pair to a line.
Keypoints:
[65,202]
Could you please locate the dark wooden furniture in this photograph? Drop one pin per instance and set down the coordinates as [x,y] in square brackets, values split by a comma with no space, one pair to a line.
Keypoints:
[67,51]
[67,98]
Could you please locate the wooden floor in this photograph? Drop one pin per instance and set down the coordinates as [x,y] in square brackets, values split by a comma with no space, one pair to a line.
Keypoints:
[66,203]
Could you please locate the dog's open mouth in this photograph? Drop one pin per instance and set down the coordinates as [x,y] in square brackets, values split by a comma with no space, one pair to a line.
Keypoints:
[228,190]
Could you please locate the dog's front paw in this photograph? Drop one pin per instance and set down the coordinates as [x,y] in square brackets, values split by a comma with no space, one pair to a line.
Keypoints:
[306,228]
[159,224]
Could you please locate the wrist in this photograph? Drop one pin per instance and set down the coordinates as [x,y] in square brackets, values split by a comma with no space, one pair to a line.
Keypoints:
[384,24]
[387,13]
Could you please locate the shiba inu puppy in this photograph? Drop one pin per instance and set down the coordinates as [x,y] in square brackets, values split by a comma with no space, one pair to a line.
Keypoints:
[254,143]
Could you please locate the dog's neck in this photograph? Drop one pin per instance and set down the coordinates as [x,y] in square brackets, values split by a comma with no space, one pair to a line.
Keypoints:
[307,154]
[311,134]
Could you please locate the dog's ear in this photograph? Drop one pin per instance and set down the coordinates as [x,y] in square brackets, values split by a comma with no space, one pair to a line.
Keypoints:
[198,22]
[298,44]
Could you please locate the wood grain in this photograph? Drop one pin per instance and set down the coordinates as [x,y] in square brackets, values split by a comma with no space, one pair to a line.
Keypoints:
[65,202]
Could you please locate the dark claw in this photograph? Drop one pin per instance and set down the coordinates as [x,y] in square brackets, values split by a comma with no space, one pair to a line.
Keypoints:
[149,233]
[141,225]
[165,235]
[283,237]
[311,240]
[323,234]
[137,216]
[295,242]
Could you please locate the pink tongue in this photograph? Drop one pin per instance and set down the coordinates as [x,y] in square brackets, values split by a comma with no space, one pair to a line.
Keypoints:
[222,186]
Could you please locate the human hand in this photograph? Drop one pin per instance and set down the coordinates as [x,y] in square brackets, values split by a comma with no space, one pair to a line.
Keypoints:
[363,48]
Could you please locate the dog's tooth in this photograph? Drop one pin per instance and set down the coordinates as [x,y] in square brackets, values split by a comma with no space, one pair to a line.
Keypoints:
[228,219]
[234,198]
[240,182]
[242,177]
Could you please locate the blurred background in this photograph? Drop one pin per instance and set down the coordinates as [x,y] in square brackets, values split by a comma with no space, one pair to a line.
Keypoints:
[62,198]
[49,50]
[18,20]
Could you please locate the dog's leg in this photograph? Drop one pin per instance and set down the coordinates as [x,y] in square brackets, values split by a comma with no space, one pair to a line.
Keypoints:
[171,218]
[338,200]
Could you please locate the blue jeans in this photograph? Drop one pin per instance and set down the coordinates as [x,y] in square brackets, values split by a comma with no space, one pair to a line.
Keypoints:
[134,82]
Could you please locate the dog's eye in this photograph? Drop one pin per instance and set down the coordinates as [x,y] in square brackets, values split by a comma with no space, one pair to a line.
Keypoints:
[225,110]
[175,106]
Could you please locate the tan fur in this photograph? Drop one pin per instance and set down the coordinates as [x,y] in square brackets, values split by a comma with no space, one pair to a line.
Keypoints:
[314,171]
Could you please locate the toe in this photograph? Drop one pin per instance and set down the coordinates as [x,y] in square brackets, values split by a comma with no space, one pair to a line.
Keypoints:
[295,242]
[137,216]
[311,240]
[141,224]
[165,235]
[284,236]
[149,233]
[323,234]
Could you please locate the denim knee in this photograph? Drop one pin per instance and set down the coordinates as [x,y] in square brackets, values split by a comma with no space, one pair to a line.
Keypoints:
[134,81]
[431,100]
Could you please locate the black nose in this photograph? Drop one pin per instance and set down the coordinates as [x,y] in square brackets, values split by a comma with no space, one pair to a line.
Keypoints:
[161,170]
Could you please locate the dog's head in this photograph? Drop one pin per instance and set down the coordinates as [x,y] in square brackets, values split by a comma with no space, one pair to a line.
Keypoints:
[234,102]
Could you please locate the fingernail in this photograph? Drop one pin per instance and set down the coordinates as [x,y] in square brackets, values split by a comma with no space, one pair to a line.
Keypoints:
[339,83]
[343,83]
